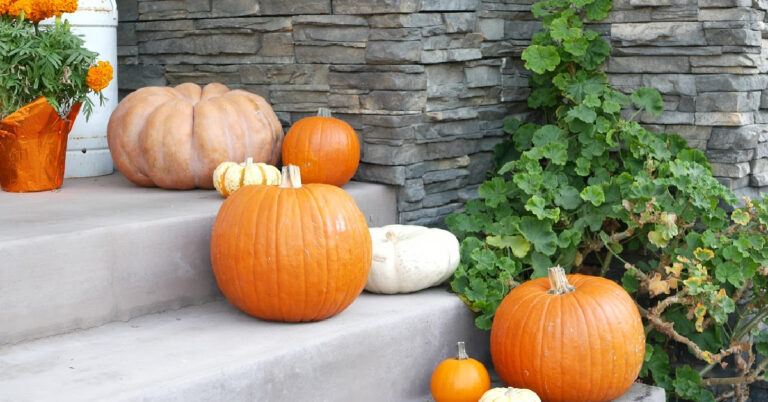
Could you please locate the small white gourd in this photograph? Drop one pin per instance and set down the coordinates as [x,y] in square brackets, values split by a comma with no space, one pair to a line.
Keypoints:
[228,177]
[409,258]
[509,395]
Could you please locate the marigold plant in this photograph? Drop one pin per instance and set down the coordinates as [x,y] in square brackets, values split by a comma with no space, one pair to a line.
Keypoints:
[46,60]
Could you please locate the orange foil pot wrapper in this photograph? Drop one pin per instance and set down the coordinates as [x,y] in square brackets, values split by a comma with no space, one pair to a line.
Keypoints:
[33,147]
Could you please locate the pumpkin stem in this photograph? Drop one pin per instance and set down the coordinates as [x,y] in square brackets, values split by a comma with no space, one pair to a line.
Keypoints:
[324,112]
[558,282]
[461,351]
[391,236]
[249,162]
[291,177]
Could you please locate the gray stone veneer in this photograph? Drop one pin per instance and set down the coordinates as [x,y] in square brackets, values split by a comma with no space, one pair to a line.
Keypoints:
[426,83]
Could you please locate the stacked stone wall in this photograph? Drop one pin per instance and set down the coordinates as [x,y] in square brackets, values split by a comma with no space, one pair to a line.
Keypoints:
[422,81]
[426,83]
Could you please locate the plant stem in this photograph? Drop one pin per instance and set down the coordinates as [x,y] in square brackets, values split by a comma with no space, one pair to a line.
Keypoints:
[755,375]
[632,118]
[668,329]
[753,322]
[606,263]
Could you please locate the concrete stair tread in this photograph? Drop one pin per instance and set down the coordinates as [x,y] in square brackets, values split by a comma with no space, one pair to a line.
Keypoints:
[103,249]
[98,202]
[382,348]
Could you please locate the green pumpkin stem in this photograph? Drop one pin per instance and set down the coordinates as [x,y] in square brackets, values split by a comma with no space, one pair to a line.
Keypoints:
[558,282]
[324,112]
[291,177]
[461,351]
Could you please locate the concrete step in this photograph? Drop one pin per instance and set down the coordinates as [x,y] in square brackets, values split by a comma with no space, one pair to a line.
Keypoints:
[382,348]
[102,249]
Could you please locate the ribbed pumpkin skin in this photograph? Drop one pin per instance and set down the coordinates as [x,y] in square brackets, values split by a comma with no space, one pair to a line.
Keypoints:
[456,380]
[228,177]
[325,148]
[587,345]
[175,137]
[285,254]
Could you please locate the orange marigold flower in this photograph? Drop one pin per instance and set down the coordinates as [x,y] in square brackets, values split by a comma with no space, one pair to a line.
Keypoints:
[99,76]
[37,10]
[4,5]
[34,10]
[64,6]
[30,9]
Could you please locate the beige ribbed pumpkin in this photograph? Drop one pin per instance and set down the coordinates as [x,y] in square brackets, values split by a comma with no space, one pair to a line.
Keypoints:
[175,137]
[509,395]
[230,176]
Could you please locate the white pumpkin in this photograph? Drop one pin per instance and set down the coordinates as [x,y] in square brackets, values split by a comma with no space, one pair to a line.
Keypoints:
[409,258]
[228,177]
[509,395]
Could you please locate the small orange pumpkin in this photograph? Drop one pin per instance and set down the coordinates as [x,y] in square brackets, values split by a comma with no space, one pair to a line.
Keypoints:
[291,253]
[462,379]
[569,338]
[325,148]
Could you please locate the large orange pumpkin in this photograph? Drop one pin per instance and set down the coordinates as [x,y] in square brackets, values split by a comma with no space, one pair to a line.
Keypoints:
[574,338]
[325,148]
[175,137]
[293,252]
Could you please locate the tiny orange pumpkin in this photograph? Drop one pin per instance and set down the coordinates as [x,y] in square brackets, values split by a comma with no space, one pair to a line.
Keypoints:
[462,379]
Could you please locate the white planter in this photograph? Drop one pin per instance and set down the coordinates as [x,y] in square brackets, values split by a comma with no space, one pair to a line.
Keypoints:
[87,150]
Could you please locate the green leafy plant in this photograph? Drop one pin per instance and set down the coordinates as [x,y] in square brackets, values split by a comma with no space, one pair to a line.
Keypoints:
[47,60]
[597,193]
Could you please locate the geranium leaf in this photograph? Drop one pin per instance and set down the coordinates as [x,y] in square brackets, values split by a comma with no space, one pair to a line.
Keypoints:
[598,9]
[541,58]
[593,194]
[540,234]
[648,99]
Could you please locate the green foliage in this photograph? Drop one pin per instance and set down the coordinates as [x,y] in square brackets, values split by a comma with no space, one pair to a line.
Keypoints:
[45,61]
[588,190]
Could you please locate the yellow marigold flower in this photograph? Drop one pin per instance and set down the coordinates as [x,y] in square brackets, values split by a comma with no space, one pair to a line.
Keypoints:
[99,76]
